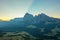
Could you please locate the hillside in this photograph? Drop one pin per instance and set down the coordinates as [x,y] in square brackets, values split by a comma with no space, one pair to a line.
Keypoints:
[40,26]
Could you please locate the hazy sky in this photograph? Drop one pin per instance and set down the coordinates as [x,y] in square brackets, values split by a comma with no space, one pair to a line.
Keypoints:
[17,8]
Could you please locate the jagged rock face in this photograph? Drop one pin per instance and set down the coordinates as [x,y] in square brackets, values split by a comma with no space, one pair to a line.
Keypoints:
[43,17]
[28,18]
[36,19]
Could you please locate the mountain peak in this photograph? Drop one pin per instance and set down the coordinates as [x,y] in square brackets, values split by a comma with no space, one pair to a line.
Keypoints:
[27,14]
[43,15]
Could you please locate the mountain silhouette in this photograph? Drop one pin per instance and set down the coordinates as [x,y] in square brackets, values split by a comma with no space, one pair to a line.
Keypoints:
[41,24]
[28,17]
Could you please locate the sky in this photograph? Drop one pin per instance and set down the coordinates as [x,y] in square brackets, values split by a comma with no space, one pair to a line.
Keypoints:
[10,9]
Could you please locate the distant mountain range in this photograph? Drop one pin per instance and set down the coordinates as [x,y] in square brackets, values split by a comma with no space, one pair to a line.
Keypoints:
[38,26]
[29,19]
